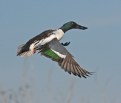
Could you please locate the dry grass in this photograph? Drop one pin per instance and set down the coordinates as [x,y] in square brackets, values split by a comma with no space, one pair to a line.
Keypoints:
[24,93]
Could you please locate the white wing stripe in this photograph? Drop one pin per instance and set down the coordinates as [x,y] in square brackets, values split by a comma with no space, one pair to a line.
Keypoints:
[59,54]
[46,40]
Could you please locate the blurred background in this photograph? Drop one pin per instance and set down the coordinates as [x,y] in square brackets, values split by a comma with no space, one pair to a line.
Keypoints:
[37,79]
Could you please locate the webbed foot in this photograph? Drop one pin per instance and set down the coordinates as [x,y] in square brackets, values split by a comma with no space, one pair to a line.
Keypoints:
[65,44]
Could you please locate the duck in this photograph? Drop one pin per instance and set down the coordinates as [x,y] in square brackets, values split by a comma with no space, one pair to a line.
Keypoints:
[48,44]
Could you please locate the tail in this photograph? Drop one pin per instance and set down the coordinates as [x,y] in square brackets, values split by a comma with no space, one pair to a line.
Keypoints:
[21,51]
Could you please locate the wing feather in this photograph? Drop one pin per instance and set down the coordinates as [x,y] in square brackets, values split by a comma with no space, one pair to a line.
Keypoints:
[67,63]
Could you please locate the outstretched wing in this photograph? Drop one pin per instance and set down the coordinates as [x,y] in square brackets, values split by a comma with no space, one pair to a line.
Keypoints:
[58,53]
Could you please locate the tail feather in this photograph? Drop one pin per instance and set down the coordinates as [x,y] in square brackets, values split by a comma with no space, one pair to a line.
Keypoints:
[22,53]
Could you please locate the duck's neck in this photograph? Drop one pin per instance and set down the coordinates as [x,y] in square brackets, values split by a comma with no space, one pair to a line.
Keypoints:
[65,28]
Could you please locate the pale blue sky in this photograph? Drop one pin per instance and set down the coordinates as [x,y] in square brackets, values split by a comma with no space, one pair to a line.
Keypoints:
[97,49]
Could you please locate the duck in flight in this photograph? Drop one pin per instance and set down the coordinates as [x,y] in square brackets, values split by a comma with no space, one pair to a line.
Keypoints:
[47,43]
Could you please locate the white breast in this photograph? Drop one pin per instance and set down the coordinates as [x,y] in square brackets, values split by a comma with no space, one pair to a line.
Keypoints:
[59,34]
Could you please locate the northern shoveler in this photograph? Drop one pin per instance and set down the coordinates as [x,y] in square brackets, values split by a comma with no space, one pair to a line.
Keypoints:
[47,43]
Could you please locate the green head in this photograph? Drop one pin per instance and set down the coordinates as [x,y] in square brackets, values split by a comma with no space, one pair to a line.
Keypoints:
[72,25]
